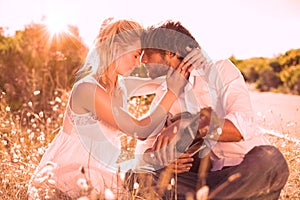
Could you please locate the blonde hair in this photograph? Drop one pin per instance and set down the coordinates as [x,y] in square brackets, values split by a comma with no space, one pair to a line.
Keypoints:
[114,39]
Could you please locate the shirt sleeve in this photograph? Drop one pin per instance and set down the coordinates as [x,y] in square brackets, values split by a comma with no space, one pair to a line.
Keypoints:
[235,99]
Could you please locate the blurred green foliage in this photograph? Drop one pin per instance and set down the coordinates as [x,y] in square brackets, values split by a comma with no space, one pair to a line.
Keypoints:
[278,74]
[36,65]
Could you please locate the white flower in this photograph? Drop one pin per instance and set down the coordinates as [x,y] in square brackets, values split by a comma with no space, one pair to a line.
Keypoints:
[122,175]
[31,136]
[40,179]
[136,185]
[41,114]
[202,193]
[51,181]
[83,198]
[41,151]
[82,183]
[49,120]
[57,99]
[172,181]
[37,92]
[30,104]
[109,195]
[52,164]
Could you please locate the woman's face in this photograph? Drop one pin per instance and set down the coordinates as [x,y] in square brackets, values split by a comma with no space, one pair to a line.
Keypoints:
[130,60]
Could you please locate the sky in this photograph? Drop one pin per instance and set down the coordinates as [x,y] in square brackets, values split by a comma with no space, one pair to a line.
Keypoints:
[243,28]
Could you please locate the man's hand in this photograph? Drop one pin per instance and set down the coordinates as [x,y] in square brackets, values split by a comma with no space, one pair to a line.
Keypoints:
[197,58]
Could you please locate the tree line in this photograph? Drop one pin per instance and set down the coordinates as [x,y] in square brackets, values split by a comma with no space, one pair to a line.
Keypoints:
[277,74]
[37,65]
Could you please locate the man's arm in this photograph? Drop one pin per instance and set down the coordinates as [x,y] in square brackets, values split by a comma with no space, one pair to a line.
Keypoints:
[222,130]
[230,133]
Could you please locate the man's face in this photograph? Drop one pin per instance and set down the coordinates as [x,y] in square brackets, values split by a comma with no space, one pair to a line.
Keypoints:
[155,63]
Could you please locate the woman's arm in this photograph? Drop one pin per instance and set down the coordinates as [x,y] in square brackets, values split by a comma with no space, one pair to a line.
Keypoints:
[89,97]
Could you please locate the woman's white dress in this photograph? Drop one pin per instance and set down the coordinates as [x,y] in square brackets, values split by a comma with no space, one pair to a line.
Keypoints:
[85,149]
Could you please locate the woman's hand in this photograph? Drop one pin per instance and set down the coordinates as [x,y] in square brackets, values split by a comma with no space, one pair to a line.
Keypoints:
[169,144]
[163,148]
[177,79]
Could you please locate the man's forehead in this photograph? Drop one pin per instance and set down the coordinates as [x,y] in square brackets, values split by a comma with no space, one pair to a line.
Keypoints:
[151,50]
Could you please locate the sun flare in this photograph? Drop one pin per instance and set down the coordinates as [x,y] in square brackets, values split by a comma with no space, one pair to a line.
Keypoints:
[56,25]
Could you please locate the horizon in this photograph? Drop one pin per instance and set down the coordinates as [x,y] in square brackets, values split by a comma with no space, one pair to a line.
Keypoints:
[244,29]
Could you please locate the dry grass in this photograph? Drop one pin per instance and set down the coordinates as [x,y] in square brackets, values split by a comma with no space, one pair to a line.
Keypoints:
[24,136]
[291,152]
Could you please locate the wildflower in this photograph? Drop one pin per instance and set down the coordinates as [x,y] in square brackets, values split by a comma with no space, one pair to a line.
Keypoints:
[172,181]
[109,194]
[4,181]
[37,92]
[30,104]
[41,151]
[51,181]
[49,120]
[52,164]
[202,193]
[83,198]
[41,114]
[4,142]
[40,179]
[34,125]
[136,185]
[55,108]
[57,99]
[31,135]
[7,108]
[82,183]
[122,176]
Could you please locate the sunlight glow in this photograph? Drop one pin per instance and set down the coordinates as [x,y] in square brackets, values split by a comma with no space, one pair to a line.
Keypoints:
[56,25]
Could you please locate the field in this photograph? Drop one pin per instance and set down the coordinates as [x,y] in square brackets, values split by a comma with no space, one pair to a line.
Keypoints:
[279,115]
[24,136]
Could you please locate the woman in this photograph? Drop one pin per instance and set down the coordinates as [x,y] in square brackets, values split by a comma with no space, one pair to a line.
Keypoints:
[86,152]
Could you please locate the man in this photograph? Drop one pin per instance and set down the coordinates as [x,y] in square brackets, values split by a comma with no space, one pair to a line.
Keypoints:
[243,164]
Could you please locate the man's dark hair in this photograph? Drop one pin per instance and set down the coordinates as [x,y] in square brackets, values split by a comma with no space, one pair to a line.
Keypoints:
[170,36]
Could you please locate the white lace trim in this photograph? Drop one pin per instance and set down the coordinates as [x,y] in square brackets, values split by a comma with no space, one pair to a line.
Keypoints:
[82,119]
